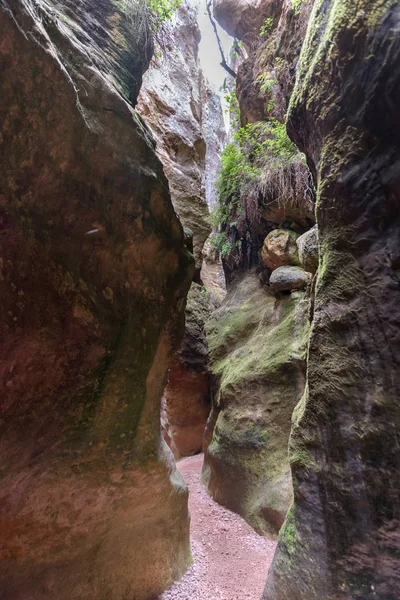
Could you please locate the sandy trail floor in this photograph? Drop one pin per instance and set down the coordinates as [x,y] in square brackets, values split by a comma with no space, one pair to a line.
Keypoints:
[231,561]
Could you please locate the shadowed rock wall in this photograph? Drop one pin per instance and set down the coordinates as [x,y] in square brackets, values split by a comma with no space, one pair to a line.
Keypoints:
[93,278]
[341,538]
[187,395]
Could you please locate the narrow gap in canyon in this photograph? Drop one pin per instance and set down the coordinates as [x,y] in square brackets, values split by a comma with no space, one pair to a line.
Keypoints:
[199,300]
[230,560]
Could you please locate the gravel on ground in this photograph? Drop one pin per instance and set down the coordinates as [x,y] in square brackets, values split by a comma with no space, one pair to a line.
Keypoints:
[230,560]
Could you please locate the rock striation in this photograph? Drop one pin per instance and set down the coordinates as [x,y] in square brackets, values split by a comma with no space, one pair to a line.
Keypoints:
[341,538]
[93,279]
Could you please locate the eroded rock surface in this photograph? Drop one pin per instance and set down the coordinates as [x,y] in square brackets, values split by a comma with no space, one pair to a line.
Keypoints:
[242,19]
[280,249]
[257,351]
[341,539]
[185,117]
[93,281]
[258,336]
[285,279]
[266,78]
[212,274]
[187,395]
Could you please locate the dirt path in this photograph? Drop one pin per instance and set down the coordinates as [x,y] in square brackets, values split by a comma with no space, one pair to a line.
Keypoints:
[231,561]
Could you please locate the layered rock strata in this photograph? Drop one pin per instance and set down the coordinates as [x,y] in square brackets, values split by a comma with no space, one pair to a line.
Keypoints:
[93,278]
[341,538]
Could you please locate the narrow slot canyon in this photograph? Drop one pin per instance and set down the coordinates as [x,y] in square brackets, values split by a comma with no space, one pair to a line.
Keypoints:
[199,300]
[230,560]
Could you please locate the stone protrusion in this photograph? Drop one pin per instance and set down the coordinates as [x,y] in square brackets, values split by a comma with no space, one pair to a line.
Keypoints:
[307,245]
[286,279]
[341,539]
[280,249]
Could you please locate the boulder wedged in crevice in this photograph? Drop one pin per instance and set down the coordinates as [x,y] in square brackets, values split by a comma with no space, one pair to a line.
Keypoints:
[257,351]
[93,281]
[340,540]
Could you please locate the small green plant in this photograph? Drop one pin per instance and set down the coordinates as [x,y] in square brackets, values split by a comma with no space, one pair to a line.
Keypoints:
[220,242]
[266,82]
[296,6]
[266,28]
[233,108]
[163,9]
[279,63]
[260,164]
[148,17]
[236,50]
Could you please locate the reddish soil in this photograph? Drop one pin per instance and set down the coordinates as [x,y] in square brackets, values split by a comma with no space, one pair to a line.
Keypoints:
[230,560]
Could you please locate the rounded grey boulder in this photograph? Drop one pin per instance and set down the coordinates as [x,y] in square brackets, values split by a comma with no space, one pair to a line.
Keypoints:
[308,250]
[285,279]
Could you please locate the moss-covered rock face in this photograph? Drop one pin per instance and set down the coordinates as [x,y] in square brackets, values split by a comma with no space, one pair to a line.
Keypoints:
[341,539]
[187,395]
[257,350]
[93,278]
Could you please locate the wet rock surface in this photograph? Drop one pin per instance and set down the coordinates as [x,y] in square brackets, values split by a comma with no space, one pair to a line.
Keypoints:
[341,538]
[93,281]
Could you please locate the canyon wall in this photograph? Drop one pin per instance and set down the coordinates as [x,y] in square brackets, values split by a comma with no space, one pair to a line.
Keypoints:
[257,347]
[93,280]
[186,119]
[258,337]
[341,538]
[187,395]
